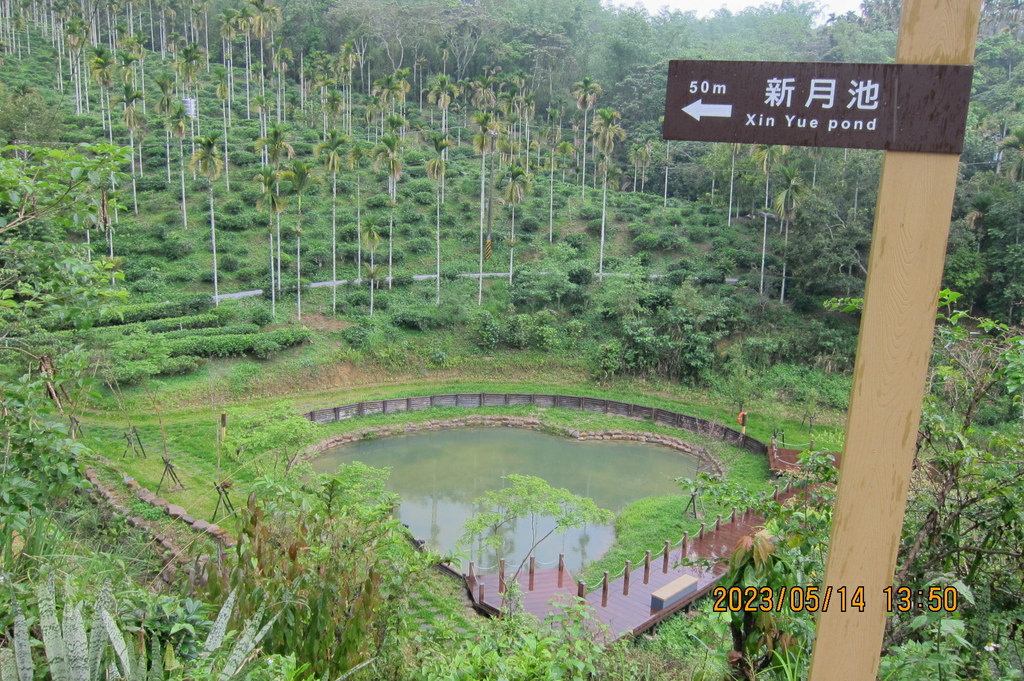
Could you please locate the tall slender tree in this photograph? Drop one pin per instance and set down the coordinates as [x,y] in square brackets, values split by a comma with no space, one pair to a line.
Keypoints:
[353,162]
[386,157]
[606,132]
[517,185]
[787,201]
[177,125]
[767,155]
[331,151]
[484,144]
[586,93]
[273,203]
[207,160]
[133,121]
[437,167]
[276,148]
[300,176]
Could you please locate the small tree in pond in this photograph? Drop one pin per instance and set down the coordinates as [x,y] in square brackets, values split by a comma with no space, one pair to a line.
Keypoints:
[529,498]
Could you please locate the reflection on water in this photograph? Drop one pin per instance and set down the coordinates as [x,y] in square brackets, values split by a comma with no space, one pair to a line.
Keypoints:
[439,473]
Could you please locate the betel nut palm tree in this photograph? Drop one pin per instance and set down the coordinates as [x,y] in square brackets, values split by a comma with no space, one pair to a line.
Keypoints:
[586,93]
[606,132]
[437,167]
[386,158]
[300,176]
[276,148]
[787,201]
[331,152]
[517,185]
[273,203]
[206,159]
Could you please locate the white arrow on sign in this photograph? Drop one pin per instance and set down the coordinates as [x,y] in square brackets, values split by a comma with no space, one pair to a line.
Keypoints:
[699,108]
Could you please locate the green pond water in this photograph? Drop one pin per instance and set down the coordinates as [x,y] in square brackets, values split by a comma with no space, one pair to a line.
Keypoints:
[439,473]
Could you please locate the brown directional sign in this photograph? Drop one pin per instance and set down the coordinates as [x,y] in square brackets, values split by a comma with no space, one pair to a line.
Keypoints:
[896,107]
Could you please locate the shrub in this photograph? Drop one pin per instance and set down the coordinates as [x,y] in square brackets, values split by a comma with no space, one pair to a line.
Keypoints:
[152,183]
[485,330]
[125,314]
[424,198]
[241,157]
[261,315]
[579,242]
[382,200]
[261,344]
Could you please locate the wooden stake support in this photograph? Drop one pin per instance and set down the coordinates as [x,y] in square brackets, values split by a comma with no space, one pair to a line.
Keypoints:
[915,202]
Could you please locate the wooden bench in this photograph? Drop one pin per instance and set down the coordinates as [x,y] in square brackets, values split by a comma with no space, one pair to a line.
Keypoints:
[673,592]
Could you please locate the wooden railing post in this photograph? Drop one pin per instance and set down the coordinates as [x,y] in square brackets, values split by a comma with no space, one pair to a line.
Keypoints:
[581,589]
[604,590]
[664,562]
[472,575]
[733,515]
[501,576]
[700,535]
[625,578]
[561,568]
[685,546]
[532,562]
[647,567]
[718,523]
[480,598]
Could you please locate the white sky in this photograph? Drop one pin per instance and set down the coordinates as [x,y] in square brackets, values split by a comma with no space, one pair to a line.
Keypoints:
[705,7]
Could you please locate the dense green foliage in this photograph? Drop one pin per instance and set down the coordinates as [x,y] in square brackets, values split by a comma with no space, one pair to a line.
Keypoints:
[359,145]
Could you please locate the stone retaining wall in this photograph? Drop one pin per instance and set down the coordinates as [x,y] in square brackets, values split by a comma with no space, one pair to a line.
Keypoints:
[680,445]
[176,558]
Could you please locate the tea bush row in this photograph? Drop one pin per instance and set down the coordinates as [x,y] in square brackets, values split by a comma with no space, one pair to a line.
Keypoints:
[260,344]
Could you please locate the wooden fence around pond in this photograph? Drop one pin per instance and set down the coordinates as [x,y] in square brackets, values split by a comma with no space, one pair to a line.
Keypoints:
[661,417]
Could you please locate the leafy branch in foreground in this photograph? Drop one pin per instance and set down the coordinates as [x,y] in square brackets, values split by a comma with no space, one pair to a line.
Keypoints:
[110,650]
[529,497]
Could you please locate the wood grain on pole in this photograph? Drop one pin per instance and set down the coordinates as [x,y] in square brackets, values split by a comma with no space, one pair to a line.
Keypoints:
[908,248]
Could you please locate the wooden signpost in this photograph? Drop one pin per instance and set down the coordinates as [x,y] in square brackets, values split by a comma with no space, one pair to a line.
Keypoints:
[905,269]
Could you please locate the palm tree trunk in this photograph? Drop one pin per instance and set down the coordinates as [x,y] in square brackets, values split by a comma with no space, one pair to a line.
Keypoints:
[213,244]
[480,279]
[227,182]
[298,272]
[334,244]
[583,175]
[785,252]
[511,241]
[273,292]
[732,182]
[359,230]
[667,143]
[184,207]
[604,214]
[551,201]
[131,144]
[391,230]
[437,255]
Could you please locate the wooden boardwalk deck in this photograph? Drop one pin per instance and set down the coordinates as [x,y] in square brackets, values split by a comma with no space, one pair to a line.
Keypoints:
[626,609]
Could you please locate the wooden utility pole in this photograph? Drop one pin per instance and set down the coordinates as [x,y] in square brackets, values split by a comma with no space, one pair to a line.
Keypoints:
[908,248]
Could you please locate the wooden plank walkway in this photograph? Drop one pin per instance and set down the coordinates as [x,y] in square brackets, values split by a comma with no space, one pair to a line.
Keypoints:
[626,610]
